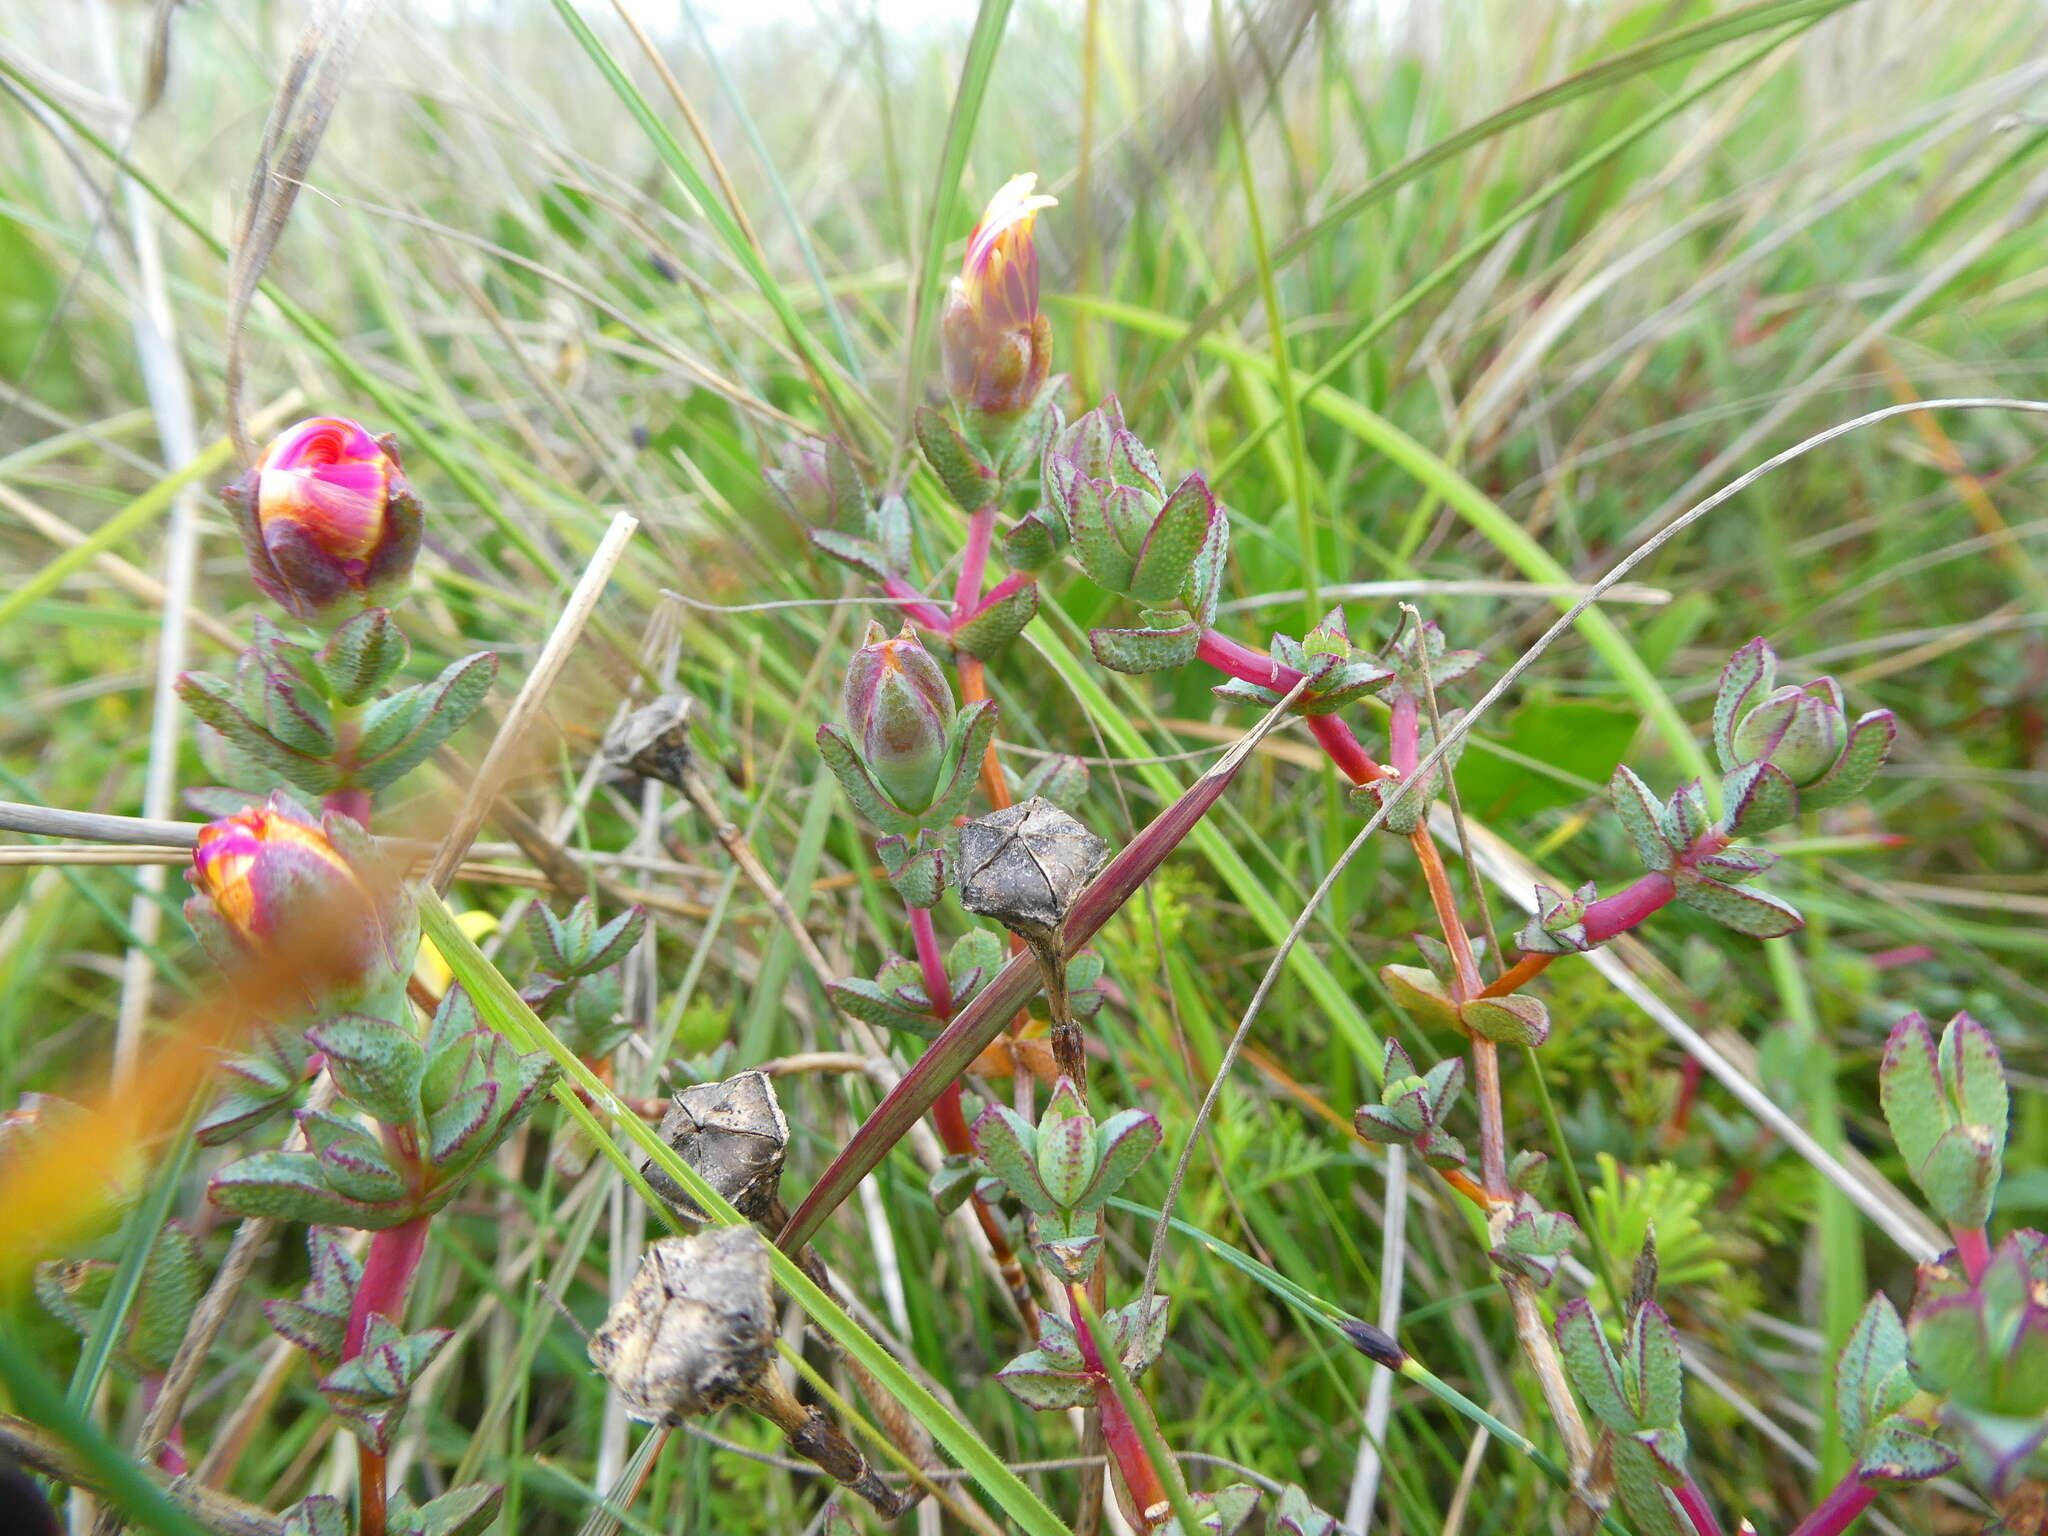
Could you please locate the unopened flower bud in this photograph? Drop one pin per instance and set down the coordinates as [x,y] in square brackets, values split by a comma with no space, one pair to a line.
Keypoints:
[1799,730]
[1024,865]
[327,518]
[996,346]
[251,868]
[272,869]
[694,1331]
[734,1134]
[898,706]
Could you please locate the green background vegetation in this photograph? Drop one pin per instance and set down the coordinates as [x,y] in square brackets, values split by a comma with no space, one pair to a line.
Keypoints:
[1587,317]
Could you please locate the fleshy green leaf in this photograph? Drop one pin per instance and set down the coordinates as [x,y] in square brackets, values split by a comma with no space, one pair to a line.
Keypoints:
[1758,914]
[1152,649]
[376,1064]
[1641,817]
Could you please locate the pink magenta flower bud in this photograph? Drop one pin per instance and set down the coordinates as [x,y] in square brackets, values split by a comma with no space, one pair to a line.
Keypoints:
[996,346]
[327,517]
[250,868]
[899,707]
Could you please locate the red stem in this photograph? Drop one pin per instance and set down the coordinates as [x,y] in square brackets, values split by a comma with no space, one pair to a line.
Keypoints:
[387,1272]
[937,986]
[1629,906]
[1838,1511]
[1240,661]
[981,528]
[349,802]
[1696,1508]
[1120,1432]
[918,608]
[1974,1249]
[1344,749]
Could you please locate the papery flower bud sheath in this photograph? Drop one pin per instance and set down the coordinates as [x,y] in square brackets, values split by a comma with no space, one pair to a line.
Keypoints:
[898,706]
[996,346]
[327,517]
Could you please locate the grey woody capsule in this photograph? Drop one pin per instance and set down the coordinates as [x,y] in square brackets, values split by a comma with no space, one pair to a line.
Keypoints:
[654,740]
[694,1331]
[1025,864]
[734,1134]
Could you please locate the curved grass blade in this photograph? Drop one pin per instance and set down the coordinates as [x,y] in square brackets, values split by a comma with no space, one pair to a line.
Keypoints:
[1669,48]
[501,1007]
[989,22]
[1466,499]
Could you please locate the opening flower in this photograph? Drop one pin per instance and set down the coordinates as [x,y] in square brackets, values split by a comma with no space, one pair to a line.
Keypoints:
[327,517]
[996,346]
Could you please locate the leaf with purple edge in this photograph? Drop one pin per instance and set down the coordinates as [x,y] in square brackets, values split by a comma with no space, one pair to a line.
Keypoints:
[1154,648]
[1974,1077]
[1124,1141]
[1867,749]
[289,1186]
[377,1065]
[1037,1383]
[1166,559]
[1910,1090]
[1901,1451]
[1758,914]
[1007,1145]
[996,623]
[454,1126]
[1750,675]
[1641,817]
[1734,865]
[1871,1378]
[1757,797]
[1517,1020]
[860,787]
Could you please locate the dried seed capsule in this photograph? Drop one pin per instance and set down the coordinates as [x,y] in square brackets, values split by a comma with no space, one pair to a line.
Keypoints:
[654,740]
[694,1331]
[734,1134]
[1025,864]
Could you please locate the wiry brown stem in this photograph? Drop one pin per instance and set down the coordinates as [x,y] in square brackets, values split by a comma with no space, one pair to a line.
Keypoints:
[1531,1330]
[37,1448]
[815,1438]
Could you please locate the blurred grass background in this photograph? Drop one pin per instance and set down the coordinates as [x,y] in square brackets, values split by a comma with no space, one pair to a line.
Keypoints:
[1595,313]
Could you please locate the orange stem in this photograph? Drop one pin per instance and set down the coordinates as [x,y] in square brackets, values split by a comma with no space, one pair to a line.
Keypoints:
[1518,975]
[1493,1138]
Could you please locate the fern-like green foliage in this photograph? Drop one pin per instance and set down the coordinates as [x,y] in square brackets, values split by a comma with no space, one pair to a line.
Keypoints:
[1628,1204]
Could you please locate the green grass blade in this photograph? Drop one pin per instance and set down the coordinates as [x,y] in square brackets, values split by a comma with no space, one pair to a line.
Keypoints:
[940,219]
[1669,48]
[500,1005]
[1469,502]
[710,205]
